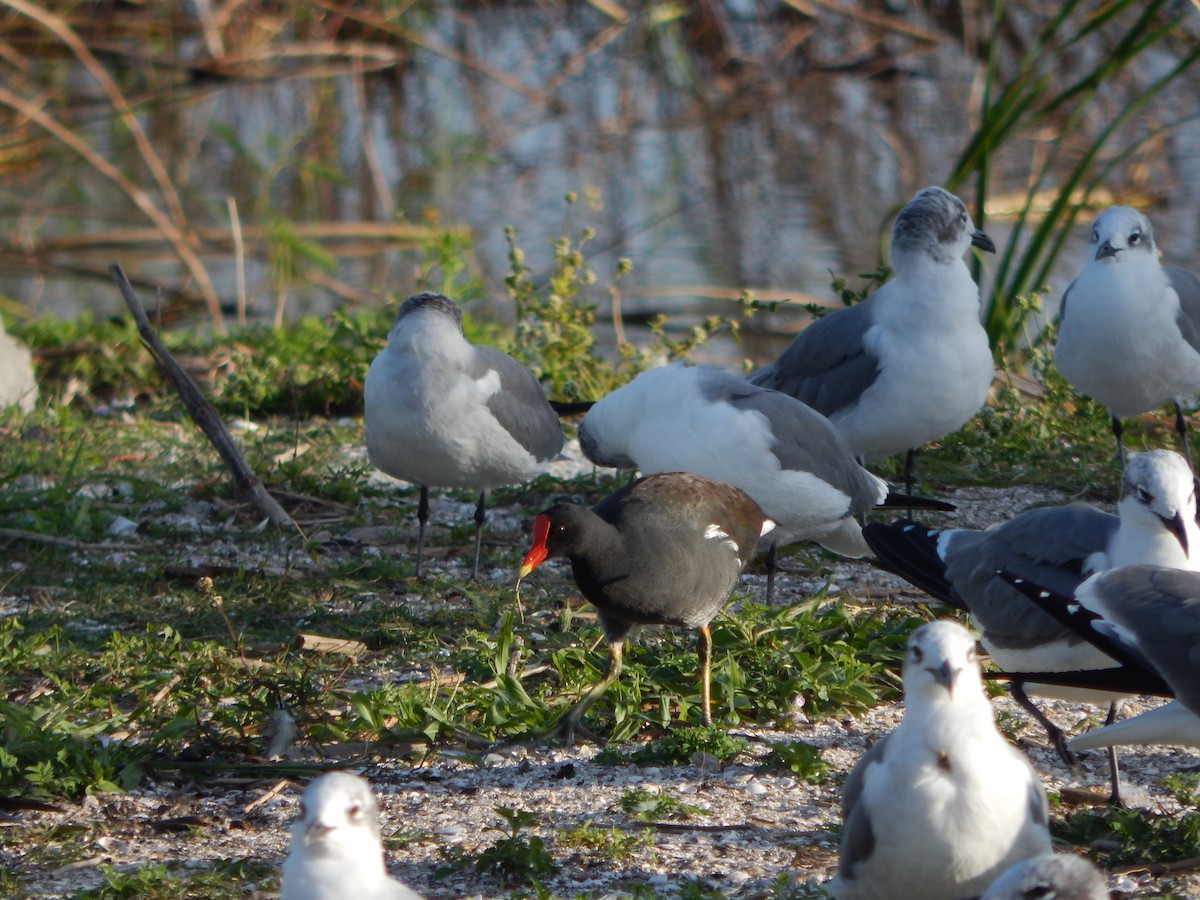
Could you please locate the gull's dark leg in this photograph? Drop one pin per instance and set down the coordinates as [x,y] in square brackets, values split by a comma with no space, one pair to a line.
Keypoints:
[704,651]
[910,472]
[1181,428]
[1118,431]
[480,517]
[422,518]
[1052,731]
[1114,798]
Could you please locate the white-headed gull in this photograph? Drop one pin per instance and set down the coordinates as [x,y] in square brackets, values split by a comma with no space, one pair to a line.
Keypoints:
[1058,547]
[942,805]
[911,363]
[336,851]
[1129,329]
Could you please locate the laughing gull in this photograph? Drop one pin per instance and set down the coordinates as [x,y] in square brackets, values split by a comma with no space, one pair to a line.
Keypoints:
[1147,618]
[786,456]
[1129,329]
[1054,876]
[336,850]
[443,412]
[943,804]
[911,363]
[1057,547]
[664,550]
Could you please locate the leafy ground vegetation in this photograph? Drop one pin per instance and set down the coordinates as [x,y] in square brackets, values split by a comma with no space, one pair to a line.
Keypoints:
[155,632]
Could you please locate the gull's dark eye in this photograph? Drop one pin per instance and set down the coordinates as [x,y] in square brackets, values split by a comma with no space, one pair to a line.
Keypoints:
[1095,236]
[1144,496]
[1135,238]
[354,811]
[917,654]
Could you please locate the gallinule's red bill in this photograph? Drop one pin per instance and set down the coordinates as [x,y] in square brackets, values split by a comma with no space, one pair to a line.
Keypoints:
[911,363]
[664,550]
[443,412]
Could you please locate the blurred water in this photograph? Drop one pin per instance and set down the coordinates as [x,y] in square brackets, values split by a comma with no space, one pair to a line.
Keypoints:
[766,170]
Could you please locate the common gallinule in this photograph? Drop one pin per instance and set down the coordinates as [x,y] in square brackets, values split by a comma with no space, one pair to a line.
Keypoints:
[443,412]
[911,363]
[664,550]
[943,804]
[1129,329]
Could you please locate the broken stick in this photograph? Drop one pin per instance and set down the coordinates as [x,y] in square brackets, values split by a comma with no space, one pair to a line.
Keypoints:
[206,418]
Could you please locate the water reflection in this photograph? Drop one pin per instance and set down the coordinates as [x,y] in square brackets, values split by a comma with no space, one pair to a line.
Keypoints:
[750,170]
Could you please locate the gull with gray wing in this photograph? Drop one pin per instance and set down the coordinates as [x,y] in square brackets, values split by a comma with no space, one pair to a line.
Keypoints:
[942,805]
[786,456]
[1147,618]
[911,363]
[1058,547]
[1129,329]
[443,412]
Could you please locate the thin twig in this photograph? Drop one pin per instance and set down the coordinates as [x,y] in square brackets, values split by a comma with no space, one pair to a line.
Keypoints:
[206,418]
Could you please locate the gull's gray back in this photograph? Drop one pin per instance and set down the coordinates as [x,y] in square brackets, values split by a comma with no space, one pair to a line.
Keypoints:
[805,440]
[1047,546]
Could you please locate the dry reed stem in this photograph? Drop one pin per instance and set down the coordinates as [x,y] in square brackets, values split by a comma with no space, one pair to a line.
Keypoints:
[467,62]
[177,233]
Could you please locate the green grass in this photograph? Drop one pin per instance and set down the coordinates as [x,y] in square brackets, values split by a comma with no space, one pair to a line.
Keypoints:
[169,652]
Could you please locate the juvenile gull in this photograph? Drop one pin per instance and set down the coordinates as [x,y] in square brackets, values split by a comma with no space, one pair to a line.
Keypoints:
[664,550]
[786,456]
[942,805]
[336,851]
[1128,331]
[1147,618]
[911,363]
[1054,876]
[443,412]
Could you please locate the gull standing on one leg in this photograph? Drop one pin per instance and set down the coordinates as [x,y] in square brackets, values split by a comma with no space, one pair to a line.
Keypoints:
[443,412]
[1129,329]
[911,363]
